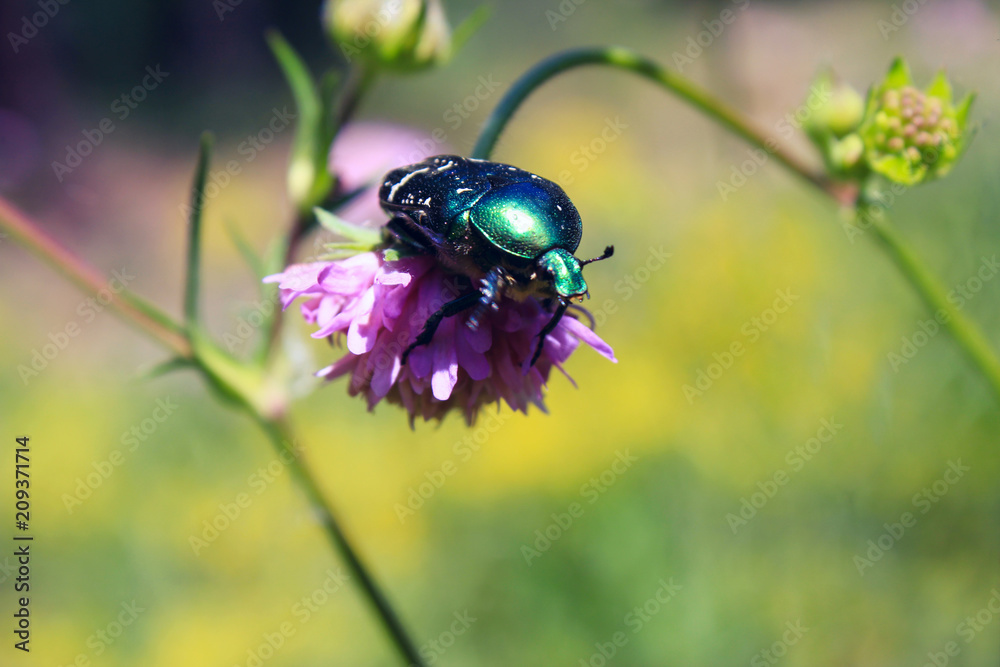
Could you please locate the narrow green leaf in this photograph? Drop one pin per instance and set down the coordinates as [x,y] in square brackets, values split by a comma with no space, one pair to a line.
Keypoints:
[899,74]
[940,87]
[168,366]
[347,246]
[302,172]
[468,27]
[249,255]
[352,232]
[193,273]
[962,111]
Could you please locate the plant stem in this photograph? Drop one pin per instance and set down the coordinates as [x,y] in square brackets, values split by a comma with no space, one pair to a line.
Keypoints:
[359,81]
[280,435]
[160,328]
[934,296]
[965,331]
[633,62]
[136,311]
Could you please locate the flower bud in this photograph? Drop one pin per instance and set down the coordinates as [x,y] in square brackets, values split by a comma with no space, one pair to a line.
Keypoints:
[845,154]
[912,135]
[395,34]
[840,113]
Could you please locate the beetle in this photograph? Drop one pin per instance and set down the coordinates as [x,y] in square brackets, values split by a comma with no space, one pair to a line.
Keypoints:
[508,230]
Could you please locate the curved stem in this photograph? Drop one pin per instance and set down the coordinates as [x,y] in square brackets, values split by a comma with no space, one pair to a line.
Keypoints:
[935,297]
[633,62]
[160,328]
[280,435]
[136,311]
[965,331]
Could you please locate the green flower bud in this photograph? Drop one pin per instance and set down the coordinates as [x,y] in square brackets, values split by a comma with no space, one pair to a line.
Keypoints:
[912,135]
[394,34]
[845,155]
[840,113]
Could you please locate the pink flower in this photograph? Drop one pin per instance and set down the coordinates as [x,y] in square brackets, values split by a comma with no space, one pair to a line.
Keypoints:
[363,152]
[381,306]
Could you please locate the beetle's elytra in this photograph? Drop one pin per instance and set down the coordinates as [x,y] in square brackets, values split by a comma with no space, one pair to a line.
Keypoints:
[511,231]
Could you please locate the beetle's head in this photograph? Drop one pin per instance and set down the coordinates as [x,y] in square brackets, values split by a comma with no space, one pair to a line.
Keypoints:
[566,272]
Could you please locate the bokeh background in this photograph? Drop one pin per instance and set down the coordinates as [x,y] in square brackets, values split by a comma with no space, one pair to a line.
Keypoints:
[667,518]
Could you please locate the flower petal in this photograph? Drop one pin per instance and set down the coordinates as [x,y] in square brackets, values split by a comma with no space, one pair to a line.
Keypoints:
[584,333]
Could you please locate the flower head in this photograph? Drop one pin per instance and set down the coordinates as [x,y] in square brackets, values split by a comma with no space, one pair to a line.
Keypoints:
[397,34]
[913,135]
[381,306]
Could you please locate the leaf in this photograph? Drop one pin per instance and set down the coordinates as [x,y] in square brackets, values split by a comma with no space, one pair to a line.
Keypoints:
[899,75]
[168,366]
[360,235]
[302,171]
[962,111]
[468,27]
[193,270]
[899,169]
[249,255]
[940,88]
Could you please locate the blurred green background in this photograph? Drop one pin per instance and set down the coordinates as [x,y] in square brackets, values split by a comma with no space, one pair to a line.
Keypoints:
[790,561]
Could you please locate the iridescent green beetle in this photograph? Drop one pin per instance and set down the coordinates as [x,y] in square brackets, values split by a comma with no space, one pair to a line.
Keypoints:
[512,231]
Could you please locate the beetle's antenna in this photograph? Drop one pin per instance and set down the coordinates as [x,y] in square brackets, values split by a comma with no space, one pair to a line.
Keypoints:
[610,250]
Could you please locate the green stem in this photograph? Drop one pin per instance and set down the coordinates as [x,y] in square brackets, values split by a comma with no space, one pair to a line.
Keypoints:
[192,274]
[935,297]
[160,328]
[965,331]
[632,62]
[136,311]
[280,435]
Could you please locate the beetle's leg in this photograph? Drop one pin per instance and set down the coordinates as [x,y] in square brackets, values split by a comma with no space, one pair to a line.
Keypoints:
[449,309]
[490,291]
[547,329]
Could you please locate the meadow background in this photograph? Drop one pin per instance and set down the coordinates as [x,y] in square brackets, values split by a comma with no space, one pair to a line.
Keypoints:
[665,519]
